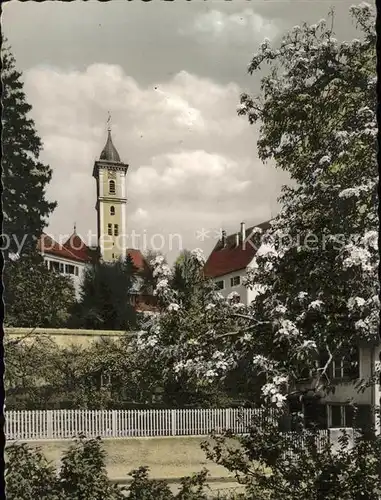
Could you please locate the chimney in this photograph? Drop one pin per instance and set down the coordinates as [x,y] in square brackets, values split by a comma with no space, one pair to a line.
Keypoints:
[237,240]
[223,238]
[243,232]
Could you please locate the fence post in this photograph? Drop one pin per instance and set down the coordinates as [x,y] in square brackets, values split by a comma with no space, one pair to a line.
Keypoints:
[49,424]
[227,418]
[113,424]
[173,422]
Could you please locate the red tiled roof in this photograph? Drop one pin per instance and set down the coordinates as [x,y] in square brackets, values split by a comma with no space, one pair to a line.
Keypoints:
[231,258]
[137,258]
[49,246]
[77,247]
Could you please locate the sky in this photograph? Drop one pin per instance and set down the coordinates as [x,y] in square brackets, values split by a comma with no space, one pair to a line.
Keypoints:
[171,74]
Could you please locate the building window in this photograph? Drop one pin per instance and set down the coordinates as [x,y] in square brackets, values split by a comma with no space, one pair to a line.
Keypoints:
[346,367]
[340,416]
[235,281]
[116,230]
[55,266]
[62,268]
[338,368]
[76,270]
[109,229]
[112,210]
[69,269]
[47,264]
[111,186]
[220,285]
[336,419]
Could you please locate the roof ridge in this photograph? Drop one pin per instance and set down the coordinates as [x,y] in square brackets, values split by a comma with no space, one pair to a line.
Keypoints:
[75,235]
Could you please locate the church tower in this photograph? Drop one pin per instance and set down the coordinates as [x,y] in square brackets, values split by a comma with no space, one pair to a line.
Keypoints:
[110,175]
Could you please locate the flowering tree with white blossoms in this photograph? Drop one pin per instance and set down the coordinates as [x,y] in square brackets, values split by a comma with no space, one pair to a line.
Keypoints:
[317,266]
[318,270]
[195,339]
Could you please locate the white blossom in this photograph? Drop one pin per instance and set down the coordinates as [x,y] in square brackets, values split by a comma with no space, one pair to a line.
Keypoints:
[173,307]
[198,254]
[266,250]
[210,306]
[357,256]
[211,374]
[309,345]
[325,160]
[302,295]
[355,302]
[152,341]
[157,261]
[233,295]
[280,309]
[288,329]
[316,305]
[163,283]
[193,342]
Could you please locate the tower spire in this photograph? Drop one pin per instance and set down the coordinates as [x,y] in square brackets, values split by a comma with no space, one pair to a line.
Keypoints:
[109,152]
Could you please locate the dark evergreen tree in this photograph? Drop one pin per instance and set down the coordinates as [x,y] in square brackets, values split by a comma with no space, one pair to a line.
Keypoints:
[25,177]
[105,296]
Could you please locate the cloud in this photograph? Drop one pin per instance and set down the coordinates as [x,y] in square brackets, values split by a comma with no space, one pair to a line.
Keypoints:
[192,160]
[237,27]
[190,175]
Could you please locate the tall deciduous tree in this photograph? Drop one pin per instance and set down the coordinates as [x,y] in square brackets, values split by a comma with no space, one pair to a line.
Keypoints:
[318,295]
[25,177]
[35,296]
[318,263]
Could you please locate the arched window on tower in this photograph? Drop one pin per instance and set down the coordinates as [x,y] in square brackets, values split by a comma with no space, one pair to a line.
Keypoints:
[111,187]
[112,210]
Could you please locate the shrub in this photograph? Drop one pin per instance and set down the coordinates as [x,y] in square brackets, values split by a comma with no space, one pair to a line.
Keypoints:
[83,475]
[29,475]
[273,464]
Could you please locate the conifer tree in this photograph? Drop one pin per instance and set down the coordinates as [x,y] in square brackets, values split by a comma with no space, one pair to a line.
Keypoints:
[25,177]
[105,296]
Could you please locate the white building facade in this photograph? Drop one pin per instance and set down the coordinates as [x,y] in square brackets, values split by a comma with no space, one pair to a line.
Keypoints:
[69,259]
[230,260]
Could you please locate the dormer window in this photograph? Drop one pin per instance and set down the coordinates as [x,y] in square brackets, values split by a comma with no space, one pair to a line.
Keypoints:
[111,186]
[112,210]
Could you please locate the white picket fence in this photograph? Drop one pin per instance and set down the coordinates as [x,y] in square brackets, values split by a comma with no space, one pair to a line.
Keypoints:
[66,424]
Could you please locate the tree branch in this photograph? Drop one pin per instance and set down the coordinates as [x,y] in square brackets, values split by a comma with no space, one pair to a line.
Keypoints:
[247,316]
[19,340]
